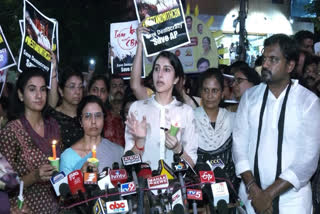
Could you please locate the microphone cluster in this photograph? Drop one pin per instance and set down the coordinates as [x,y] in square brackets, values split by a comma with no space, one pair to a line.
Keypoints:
[135,188]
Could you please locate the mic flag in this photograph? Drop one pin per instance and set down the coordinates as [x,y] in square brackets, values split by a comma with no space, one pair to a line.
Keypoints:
[220,192]
[75,181]
[117,206]
[118,176]
[99,207]
[160,181]
[194,194]
[57,179]
[164,169]
[207,177]
[215,163]
[128,188]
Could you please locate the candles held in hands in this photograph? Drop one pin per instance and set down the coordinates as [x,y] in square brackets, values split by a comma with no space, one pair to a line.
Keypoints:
[94,159]
[54,160]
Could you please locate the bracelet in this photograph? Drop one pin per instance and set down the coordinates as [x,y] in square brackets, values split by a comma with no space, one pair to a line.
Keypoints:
[249,185]
[139,148]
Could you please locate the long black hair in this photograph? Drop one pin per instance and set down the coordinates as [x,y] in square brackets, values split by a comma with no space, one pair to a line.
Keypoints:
[16,106]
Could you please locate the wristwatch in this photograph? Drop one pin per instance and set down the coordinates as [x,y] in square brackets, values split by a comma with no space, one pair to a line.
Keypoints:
[181,152]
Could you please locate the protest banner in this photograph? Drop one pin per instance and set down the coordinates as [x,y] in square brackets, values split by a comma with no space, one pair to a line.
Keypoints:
[166,22]
[6,58]
[123,41]
[37,40]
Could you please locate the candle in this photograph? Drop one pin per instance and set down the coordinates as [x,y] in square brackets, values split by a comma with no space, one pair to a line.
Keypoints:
[54,151]
[174,128]
[94,152]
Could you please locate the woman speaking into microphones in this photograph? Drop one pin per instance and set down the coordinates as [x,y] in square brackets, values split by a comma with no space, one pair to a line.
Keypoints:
[161,126]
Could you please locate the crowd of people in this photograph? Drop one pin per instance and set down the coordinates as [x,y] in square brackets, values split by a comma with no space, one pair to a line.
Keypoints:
[261,139]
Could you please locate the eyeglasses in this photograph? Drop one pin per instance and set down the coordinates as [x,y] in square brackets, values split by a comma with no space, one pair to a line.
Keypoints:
[73,87]
[239,80]
[272,59]
[89,115]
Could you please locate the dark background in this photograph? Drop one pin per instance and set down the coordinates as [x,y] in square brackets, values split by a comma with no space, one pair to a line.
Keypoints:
[83,27]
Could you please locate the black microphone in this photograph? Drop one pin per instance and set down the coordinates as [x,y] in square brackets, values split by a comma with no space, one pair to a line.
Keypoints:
[178,209]
[115,165]
[131,163]
[222,176]
[180,167]
[206,189]
[222,207]
[140,205]
[57,179]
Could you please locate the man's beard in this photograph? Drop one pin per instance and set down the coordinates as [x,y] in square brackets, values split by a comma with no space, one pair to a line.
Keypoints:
[266,75]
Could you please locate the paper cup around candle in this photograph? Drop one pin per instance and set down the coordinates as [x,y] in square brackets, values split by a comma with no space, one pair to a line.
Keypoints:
[94,161]
[173,130]
[55,163]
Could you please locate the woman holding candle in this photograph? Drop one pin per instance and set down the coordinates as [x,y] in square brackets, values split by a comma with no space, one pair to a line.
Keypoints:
[214,124]
[26,141]
[91,115]
[149,119]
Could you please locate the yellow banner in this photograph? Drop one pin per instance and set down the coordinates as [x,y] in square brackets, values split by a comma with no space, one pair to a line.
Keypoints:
[40,50]
[158,19]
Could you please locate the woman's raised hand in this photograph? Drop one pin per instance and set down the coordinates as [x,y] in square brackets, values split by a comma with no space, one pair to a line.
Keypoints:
[136,128]
[141,30]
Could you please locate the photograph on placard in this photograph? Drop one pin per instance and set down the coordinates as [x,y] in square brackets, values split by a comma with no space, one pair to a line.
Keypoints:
[37,41]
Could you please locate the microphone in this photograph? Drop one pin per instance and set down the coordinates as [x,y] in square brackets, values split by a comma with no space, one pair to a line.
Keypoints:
[178,209]
[155,182]
[75,181]
[131,163]
[99,207]
[221,175]
[207,177]
[220,192]
[145,171]
[104,181]
[194,195]
[222,207]
[216,163]
[115,165]
[57,179]
[177,201]
[119,206]
[164,169]
[90,177]
[118,176]
[180,168]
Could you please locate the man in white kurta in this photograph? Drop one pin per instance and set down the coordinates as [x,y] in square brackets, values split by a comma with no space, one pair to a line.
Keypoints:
[300,147]
[159,117]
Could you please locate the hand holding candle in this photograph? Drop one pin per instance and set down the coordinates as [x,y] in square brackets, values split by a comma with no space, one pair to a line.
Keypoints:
[174,128]
[54,161]
[94,159]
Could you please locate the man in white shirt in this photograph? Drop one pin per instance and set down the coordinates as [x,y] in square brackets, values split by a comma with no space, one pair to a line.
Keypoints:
[276,140]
